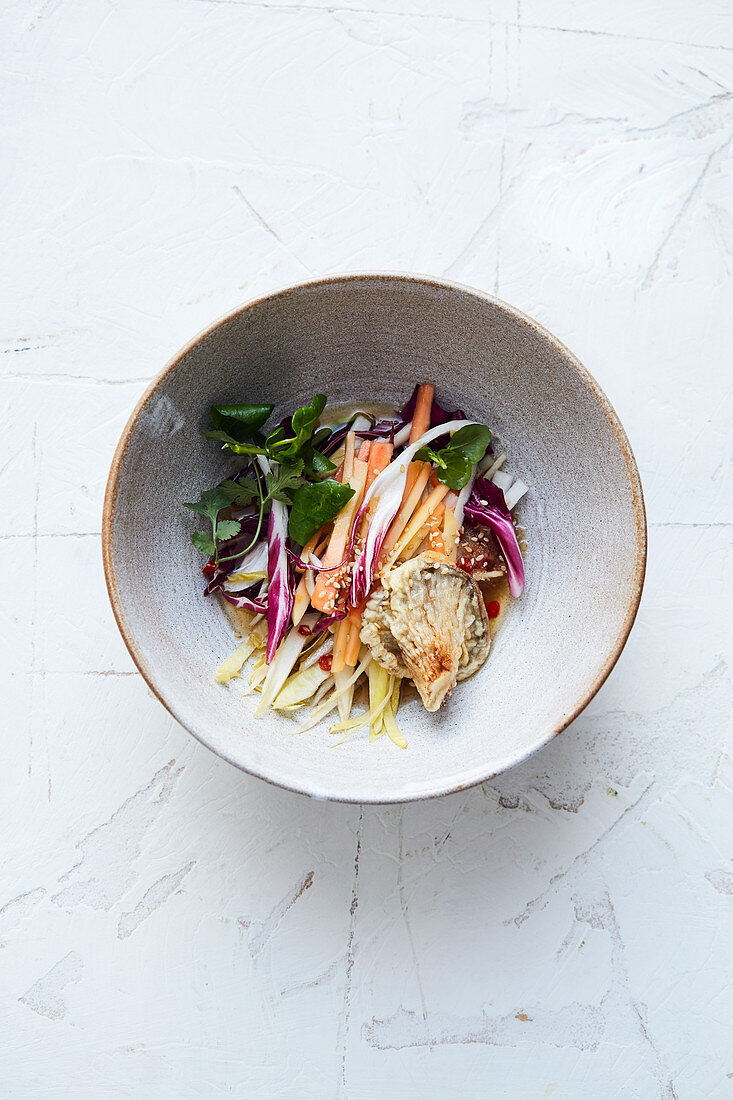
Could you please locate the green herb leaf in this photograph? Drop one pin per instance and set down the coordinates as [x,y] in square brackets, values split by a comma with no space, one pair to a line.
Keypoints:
[316,464]
[240,421]
[227,529]
[210,504]
[472,440]
[281,485]
[240,492]
[316,504]
[284,447]
[256,446]
[203,542]
[455,461]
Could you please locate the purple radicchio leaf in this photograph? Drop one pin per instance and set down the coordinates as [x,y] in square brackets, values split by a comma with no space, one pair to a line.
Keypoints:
[324,624]
[486,505]
[280,593]
[247,603]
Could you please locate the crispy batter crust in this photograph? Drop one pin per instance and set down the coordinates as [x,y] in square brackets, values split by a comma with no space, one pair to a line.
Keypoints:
[428,622]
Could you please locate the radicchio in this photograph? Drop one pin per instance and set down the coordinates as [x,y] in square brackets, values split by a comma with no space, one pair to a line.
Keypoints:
[280,593]
[486,505]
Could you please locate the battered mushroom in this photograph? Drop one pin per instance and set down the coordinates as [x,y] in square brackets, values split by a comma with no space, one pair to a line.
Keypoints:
[428,622]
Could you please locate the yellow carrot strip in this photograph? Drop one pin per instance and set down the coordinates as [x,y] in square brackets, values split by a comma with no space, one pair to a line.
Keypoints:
[302,600]
[340,643]
[431,533]
[325,593]
[450,535]
[418,520]
[349,447]
[351,655]
[406,509]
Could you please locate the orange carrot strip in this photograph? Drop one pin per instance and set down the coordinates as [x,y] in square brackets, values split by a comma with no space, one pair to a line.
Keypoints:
[380,457]
[406,509]
[420,424]
[418,520]
[363,453]
[325,593]
[423,410]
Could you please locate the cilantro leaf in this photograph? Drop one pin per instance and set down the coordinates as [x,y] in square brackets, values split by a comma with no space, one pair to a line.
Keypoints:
[210,504]
[282,484]
[203,542]
[316,504]
[455,461]
[240,492]
[227,529]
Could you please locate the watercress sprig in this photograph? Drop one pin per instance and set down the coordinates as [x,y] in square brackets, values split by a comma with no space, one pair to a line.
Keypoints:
[455,461]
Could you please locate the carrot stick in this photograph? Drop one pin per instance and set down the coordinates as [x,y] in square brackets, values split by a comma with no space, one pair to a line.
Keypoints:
[351,657]
[420,424]
[380,457]
[363,453]
[450,535]
[418,520]
[406,509]
[349,446]
[301,603]
[325,593]
[340,643]
[430,533]
[423,411]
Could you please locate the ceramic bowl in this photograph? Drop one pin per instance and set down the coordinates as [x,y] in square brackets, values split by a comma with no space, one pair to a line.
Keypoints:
[367,338]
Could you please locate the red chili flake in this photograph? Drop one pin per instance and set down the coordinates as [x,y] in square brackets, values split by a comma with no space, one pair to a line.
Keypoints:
[325,662]
[304,630]
[493,609]
[465,564]
[210,568]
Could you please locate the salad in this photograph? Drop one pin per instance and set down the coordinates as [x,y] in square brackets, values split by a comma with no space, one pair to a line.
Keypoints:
[362,552]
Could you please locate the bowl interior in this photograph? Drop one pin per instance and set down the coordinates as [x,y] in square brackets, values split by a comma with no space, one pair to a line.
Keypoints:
[364,339]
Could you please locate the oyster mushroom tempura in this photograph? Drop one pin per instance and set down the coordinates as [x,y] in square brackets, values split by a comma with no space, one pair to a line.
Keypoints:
[358,552]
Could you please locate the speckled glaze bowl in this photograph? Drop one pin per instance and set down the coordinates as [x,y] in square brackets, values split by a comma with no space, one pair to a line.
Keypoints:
[365,338]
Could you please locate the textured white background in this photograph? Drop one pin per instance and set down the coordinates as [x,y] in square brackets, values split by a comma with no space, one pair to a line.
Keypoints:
[172,928]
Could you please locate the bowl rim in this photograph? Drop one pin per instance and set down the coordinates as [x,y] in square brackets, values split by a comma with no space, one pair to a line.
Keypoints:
[571,359]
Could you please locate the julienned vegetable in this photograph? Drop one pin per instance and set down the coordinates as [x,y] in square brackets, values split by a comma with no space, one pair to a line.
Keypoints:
[353,554]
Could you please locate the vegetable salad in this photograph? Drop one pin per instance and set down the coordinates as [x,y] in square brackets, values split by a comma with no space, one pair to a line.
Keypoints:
[315,517]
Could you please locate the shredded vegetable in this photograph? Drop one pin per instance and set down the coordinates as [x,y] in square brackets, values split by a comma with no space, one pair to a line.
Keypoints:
[305,532]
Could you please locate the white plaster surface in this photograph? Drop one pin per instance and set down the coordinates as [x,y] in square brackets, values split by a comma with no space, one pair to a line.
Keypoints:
[172,928]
